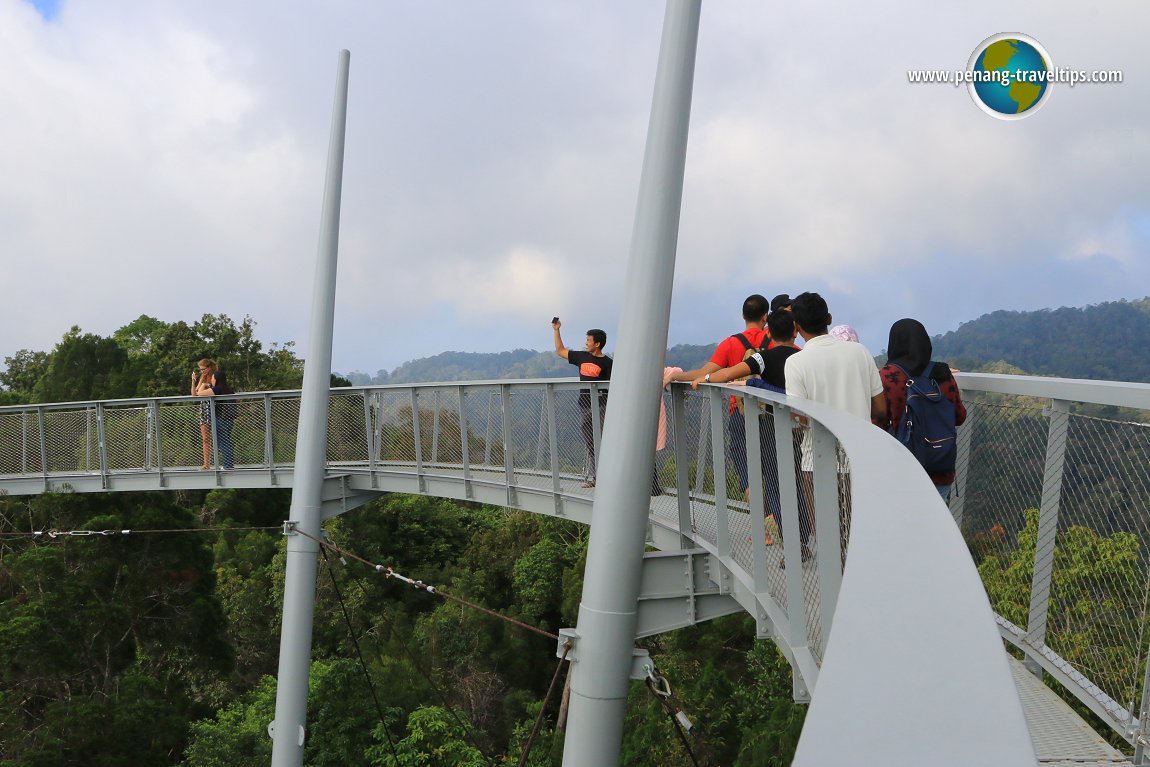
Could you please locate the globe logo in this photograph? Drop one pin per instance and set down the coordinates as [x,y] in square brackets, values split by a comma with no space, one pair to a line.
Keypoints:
[1009,76]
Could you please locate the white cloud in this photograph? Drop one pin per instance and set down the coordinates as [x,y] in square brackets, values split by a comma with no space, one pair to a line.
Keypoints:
[168,158]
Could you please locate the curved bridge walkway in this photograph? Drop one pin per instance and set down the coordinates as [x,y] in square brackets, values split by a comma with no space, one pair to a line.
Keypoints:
[1045,465]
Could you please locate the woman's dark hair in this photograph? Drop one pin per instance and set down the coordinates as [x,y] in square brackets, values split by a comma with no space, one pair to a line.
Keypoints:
[222,384]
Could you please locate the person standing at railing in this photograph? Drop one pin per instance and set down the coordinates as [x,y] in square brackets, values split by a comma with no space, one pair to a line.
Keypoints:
[731,352]
[203,378]
[593,365]
[836,373]
[225,418]
[908,353]
[766,371]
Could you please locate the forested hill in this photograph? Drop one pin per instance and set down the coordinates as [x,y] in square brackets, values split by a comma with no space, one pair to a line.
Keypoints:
[521,363]
[1106,341]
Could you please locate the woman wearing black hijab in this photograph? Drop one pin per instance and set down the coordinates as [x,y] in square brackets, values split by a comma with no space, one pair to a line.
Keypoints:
[908,352]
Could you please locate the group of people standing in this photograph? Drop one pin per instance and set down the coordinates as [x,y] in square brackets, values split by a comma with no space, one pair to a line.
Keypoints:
[831,368]
[209,381]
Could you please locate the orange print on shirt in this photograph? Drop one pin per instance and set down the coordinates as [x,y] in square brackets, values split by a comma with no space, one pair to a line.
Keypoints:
[590,369]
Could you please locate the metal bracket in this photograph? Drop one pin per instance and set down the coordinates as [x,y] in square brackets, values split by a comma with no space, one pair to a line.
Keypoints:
[642,666]
[568,641]
[289,527]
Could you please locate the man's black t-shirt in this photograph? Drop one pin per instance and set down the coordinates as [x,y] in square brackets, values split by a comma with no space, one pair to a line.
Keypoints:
[591,368]
[770,364]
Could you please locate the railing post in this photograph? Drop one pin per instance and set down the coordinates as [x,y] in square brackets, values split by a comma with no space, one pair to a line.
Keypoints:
[464,448]
[102,445]
[369,436]
[43,444]
[487,436]
[553,444]
[1059,412]
[541,435]
[596,430]
[713,414]
[792,532]
[828,522]
[435,425]
[962,465]
[154,409]
[269,444]
[417,439]
[508,447]
[682,475]
[24,443]
[149,433]
[753,450]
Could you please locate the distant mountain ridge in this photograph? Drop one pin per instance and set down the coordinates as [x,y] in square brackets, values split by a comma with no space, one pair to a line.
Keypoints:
[1107,341]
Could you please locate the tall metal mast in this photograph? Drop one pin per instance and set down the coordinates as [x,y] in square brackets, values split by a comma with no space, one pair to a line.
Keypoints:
[608,611]
[311,444]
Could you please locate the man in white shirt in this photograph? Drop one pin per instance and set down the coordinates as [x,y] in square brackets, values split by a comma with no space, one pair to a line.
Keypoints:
[836,373]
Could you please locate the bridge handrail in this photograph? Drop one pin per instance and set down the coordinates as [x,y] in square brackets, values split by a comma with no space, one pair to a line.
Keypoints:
[526,431]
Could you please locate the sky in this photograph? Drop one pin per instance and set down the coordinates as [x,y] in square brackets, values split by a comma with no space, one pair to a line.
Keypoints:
[167,158]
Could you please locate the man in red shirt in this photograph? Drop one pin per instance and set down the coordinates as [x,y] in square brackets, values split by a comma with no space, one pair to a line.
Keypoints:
[730,352]
[593,365]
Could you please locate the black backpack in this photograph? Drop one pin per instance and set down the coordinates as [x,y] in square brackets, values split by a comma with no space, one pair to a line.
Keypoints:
[927,426]
[749,349]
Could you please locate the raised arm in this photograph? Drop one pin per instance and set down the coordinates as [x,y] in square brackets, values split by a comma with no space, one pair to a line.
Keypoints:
[560,349]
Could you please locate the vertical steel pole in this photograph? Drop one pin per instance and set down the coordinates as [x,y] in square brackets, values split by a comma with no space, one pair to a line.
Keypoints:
[1047,533]
[311,444]
[608,611]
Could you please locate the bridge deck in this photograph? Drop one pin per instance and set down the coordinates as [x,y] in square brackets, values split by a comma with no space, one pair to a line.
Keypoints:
[1061,737]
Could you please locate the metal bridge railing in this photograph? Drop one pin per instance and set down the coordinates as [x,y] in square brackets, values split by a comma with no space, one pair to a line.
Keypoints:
[1052,494]
[1054,500]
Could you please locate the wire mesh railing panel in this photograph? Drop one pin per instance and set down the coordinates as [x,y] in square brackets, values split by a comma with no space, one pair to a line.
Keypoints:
[1006,465]
[71,439]
[447,438]
[697,457]
[1097,617]
[346,429]
[127,437]
[249,431]
[395,434]
[283,424]
[572,440]
[19,443]
[178,434]
[527,427]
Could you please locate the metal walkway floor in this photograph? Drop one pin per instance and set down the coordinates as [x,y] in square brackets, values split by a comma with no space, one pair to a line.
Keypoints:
[1061,737]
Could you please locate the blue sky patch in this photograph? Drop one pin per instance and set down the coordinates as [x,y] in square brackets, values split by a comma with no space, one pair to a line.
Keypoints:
[47,8]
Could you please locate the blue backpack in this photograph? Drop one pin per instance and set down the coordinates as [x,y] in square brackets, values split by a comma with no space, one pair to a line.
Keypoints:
[927,427]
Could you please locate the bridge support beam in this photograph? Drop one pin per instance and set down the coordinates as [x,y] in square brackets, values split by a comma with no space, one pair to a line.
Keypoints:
[679,589]
[311,448]
[608,613]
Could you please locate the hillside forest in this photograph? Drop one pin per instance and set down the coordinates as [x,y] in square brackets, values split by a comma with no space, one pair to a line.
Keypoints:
[160,648]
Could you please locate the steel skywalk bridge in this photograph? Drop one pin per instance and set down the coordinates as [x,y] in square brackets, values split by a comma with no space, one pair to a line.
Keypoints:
[1063,448]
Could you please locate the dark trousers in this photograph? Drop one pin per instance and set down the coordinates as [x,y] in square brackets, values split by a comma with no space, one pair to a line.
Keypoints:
[588,428]
[224,441]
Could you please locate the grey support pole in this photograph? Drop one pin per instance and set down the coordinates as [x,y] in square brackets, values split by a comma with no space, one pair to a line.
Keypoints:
[311,444]
[608,612]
